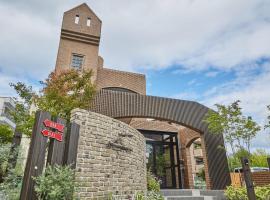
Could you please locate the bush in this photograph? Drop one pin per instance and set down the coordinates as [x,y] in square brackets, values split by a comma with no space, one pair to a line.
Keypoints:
[4,156]
[150,195]
[11,187]
[153,184]
[6,133]
[55,183]
[233,193]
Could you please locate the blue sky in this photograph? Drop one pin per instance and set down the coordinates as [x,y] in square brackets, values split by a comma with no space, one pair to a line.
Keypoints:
[172,82]
[201,50]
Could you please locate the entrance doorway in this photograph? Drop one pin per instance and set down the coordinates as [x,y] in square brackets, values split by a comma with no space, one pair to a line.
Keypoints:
[162,152]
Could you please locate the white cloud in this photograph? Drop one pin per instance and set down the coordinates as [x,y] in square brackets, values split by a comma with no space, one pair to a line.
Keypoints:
[253,92]
[191,96]
[151,34]
[211,74]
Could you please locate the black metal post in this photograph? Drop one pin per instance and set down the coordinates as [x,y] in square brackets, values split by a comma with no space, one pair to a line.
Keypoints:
[268,160]
[248,179]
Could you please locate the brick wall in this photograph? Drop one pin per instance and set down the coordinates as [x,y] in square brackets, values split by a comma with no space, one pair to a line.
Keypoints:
[101,169]
[114,78]
[261,178]
[79,39]
[187,136]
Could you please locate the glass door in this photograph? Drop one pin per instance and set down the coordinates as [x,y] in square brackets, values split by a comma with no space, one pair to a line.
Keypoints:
[163,159]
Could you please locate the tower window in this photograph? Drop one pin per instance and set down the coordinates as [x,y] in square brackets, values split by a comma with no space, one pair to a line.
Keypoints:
[88,23]
[77,61]
[77,19]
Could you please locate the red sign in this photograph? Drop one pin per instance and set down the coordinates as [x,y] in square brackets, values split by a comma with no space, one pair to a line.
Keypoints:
[51,124]
[56,135]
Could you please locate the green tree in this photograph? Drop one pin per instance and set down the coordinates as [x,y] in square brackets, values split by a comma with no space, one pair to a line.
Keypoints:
[21,114]
[259,158]
[234,161]
[237,130]
[6,133]
[60,94]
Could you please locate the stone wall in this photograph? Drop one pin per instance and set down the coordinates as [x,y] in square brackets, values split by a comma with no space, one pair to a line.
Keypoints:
[111,157]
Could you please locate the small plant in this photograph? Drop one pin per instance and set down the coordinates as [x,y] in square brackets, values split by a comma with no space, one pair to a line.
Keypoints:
[4,156]
[11,187]
[153,184]
[233,193]
[57,182]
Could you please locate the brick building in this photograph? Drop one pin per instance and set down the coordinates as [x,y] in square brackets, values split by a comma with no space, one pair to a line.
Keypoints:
[169,136]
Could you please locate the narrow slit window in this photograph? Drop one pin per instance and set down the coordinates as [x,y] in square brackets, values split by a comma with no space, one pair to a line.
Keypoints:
[77,19]
[88,23]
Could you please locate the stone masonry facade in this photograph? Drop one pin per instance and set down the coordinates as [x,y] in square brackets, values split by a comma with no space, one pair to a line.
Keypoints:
[111,157]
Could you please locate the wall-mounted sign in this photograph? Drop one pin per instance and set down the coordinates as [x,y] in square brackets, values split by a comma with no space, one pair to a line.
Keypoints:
[54,125]
[53,134]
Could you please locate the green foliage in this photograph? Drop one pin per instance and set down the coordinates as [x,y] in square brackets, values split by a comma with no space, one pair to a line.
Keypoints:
[23,119]
[201,174]
[263,192]
[233,193]
[257,158]
[4,156]
[56,183]
[234,161]
[152,195]
[6,133]
[60,94]
[153,184]
[12,179]
[237,130]
[11,187]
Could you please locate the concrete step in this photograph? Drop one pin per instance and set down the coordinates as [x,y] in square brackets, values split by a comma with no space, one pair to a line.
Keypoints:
[176,192]
[190,198]
[172,194]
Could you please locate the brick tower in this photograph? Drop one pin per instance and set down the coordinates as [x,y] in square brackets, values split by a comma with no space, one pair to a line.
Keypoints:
[79,41]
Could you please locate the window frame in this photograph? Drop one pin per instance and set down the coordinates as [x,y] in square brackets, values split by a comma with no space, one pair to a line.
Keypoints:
[77,19]
[88,22]
[71,61]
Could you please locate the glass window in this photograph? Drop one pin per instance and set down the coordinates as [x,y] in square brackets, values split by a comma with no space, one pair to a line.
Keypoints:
[77,18]
[77,61]
[88,23]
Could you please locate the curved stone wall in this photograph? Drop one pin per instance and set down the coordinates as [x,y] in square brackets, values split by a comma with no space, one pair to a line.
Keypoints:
[111,157]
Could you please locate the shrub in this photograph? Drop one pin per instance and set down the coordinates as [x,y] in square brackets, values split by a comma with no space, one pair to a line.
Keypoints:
[150,195]
[6,133]
[262,193]
[57,182]
[11,187]
[4,156]
[233,193]
[153,184]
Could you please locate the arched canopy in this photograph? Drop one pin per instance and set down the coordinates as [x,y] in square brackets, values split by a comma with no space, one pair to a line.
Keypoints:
[187,113]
